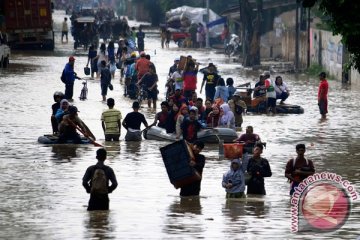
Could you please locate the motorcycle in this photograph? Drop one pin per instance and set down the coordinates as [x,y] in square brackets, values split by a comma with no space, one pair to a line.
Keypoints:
[234,46]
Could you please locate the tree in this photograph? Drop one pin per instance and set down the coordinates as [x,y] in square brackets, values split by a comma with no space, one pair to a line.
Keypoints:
[251,22]
[343,18]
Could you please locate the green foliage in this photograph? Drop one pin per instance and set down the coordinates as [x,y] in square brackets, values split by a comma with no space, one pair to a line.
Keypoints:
[344,19]
[314,70]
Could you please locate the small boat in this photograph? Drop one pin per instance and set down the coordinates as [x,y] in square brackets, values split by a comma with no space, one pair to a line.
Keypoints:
[208,135]
[282,108]
[52,139]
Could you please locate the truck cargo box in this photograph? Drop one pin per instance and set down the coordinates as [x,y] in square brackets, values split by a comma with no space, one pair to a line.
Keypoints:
[28,14]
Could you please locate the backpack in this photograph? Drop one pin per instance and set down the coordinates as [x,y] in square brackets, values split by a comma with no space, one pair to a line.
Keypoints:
[99,182]
[63,77]
[238,109]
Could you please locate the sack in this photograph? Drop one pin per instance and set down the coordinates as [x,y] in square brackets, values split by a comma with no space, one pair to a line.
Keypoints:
[63,77]
[111,87]
[86,70]
[247,177]
[99,182]
[238,109]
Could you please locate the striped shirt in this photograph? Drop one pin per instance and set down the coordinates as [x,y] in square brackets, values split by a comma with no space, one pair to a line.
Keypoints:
[111,118]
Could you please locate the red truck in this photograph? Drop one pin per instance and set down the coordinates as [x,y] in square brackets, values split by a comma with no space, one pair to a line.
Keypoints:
[179,37]
[28,23]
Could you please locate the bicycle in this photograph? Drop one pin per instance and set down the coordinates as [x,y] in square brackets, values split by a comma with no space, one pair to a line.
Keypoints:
[142,94]
[84,91]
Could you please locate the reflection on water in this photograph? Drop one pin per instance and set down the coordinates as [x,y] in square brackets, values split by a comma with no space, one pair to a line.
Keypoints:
[182,216]
[64,152]
[99,225]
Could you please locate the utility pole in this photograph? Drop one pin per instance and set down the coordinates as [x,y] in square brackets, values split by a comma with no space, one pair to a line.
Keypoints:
[207,22]
[297,36]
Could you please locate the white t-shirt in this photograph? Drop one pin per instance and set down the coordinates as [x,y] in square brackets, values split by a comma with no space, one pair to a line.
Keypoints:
[178,80]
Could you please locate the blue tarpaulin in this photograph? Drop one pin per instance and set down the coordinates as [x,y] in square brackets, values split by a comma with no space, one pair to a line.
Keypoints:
[217,22]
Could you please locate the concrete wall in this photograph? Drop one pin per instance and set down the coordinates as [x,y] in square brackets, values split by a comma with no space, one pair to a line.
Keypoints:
[327,50]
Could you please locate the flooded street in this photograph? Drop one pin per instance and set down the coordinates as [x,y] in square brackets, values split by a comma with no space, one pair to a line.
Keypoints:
[41,185]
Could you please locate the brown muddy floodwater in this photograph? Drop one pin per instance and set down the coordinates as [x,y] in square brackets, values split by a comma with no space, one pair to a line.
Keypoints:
[40,185]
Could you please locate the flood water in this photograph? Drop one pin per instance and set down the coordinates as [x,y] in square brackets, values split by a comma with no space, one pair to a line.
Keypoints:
[41,192]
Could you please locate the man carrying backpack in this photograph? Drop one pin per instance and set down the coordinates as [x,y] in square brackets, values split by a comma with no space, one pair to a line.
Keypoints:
[68,77]
[96,182]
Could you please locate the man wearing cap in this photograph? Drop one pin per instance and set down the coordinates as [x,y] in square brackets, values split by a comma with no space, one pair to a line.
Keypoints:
[140,35]
[132,123]
[174,67]
[178,99]
[322,95]
[70,77]
[111,121]
[211,79]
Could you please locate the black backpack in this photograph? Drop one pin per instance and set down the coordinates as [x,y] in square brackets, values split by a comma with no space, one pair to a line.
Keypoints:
[238,109]
[63,77]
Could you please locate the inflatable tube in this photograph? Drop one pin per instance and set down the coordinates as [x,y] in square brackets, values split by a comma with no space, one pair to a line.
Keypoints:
[206,135]
[52,139]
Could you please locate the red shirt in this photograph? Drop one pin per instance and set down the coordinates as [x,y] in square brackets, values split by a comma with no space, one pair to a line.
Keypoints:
[190,80]
[323,90]
[142,66]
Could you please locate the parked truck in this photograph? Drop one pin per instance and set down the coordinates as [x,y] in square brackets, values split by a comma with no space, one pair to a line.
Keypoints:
[29,24]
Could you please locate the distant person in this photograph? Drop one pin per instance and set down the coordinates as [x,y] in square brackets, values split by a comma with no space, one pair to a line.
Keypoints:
[96,182]
[270,93]
[210,80]
[162,118]
[323,95]
[149,82]
[132,123]
[258,168]
[189,76]
[200,35]
[281,89]
[221,91]
[140,35]
[234,181]
[299,168]
[105,79]
[102,56]
[142,65]
[230,86]
[193,33]
[238,107]
[227,118]
[249,138]
[111,121]
[65,30]
[168,38]
[93,62]
[225,35]
[190,127]
[193,189]
[61,111]
[163,36]
[70,77]
[68,126]
[58,96]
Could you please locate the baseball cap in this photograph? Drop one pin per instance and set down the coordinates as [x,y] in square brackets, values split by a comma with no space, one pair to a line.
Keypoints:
[133,54]
[177,59]
[142,54]
[71,58]
[177,88]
